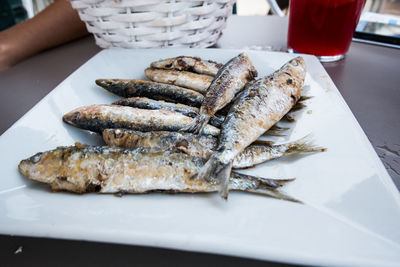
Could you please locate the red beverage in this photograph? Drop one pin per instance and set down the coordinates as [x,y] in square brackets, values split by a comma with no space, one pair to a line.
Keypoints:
[323,27]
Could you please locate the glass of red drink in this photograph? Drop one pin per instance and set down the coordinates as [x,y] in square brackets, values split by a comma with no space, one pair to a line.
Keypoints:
[323,28]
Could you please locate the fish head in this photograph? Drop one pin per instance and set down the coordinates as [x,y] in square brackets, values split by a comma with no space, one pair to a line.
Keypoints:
[82,116]
[42,167]
[59,168]
[298,65]
[72,117]
[295,71]
[105,83]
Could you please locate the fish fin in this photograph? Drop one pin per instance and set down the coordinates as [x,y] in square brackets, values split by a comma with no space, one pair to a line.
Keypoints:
[270,182]
[223,177]
[298,106]
[208,171]
[197,124]
[276,130]
[274,194]
[265,186]
[305,98]
[304,145]
[289,117]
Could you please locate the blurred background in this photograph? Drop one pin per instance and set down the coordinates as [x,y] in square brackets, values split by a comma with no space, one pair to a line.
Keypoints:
[15,11]
[263,7]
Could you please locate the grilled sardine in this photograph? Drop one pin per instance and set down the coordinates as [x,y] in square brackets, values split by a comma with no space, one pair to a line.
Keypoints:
[230,79]
[96,118]
[147,103]
[153,90]
[262,104]
[191,64]
[102,169]
[196,82]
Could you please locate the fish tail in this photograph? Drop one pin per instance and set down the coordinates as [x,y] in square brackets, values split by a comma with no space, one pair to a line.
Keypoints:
[274,194]
[304,145]
[197,125]
[223,176]
[269,182]
[263,186]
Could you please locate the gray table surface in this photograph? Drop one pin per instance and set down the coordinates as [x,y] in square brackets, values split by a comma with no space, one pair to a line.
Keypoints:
[368,78]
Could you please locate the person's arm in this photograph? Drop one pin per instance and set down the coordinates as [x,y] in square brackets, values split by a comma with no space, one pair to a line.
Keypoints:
[56,24]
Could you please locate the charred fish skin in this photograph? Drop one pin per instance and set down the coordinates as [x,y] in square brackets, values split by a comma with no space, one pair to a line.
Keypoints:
[230,79]
[186,63]
[262,104]
[103,169]
[146,103]
[153,90]
[96,118]
[193,81]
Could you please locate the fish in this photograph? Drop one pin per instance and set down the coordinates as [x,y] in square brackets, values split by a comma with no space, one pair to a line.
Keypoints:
[96,118]
[202,147]
[83,169]
[147,103]
[153,90]
[256,153]
[196,82]
[191,64]
[217,120]
[230,79]
[258,107]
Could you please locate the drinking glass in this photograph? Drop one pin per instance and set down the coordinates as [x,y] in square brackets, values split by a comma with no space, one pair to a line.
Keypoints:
[323,28]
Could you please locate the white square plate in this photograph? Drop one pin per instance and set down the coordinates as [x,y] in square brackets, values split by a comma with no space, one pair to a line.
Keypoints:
[351,213]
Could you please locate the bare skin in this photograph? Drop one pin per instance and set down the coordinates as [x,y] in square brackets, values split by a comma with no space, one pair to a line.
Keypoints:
[55,25]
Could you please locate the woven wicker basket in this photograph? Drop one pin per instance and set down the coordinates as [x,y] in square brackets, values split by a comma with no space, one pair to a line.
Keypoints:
[154,23]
